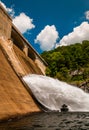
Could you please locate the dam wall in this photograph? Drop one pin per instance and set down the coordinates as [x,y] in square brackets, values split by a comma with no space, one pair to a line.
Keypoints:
[14,98]
[17,58]
[5,23]
[28,50]
[10,32]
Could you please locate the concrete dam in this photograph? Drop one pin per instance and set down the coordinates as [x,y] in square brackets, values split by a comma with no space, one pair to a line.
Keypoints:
[17,58]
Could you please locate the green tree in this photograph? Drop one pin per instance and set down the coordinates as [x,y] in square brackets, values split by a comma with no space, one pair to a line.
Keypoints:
[64,60]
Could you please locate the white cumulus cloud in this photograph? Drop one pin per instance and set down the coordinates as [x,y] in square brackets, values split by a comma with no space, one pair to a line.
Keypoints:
[9,10]
[87,15]
[79,34]
[23,22]
[47,38]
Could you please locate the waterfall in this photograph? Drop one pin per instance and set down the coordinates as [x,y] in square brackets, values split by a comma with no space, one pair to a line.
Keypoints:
[52,93]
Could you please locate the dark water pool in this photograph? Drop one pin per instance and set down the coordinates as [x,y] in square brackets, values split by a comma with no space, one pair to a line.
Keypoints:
[49,121]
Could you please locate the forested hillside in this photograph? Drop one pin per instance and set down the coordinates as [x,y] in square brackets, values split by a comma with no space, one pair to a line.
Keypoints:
[69,63]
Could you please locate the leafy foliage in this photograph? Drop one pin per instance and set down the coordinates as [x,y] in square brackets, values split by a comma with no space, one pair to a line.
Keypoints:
[68,63]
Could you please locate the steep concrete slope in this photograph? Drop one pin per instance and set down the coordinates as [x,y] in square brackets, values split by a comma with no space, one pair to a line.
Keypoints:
[14,98]
[21,63]
[17,58]
[27,63]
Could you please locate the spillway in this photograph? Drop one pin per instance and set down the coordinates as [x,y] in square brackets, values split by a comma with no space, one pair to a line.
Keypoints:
[52,93]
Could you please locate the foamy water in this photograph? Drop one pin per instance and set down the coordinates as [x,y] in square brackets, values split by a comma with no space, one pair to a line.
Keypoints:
[53,93]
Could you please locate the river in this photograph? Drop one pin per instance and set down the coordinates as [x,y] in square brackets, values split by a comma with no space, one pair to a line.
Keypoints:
[52,94]
[49,121]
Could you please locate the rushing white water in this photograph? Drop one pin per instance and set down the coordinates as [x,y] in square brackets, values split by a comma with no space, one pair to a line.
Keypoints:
[53,93]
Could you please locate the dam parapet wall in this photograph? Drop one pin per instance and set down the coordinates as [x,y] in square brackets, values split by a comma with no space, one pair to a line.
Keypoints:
[5,23]
[9,31]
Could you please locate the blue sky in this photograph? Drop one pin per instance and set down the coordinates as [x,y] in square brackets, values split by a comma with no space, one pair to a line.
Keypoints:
[47,24]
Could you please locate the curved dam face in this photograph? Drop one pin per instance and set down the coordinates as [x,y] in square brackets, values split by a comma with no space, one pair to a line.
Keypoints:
[14,98]
[17,58]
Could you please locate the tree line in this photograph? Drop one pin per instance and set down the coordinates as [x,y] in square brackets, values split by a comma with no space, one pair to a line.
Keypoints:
[69,63]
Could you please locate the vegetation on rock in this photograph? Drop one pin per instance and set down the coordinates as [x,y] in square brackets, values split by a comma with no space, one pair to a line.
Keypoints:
[69,63]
